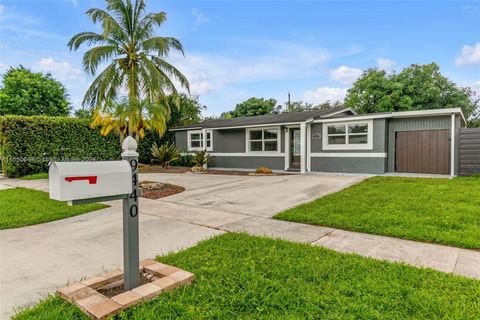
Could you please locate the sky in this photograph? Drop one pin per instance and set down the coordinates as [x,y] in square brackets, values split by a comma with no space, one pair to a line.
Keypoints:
[238,49]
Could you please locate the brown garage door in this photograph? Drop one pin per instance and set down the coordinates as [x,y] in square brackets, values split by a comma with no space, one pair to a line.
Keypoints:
[422,151]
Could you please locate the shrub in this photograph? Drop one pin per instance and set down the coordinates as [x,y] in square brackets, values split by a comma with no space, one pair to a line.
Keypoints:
[185,160]
[201,158]
[145,144]
[263,170]
[28,144]
[165,154]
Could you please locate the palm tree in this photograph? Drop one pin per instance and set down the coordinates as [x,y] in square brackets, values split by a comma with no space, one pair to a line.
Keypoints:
[137,67]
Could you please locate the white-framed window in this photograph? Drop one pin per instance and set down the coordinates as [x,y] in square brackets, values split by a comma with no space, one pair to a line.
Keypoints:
[354,135]
[195,140]
[263,140]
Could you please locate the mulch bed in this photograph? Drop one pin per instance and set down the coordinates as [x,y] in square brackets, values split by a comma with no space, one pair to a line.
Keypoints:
[145,168]
[116,288]
[166,190]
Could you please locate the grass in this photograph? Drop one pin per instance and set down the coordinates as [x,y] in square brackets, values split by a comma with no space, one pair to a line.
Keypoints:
[445,211]
[35,176]
[244,277]
[22,207]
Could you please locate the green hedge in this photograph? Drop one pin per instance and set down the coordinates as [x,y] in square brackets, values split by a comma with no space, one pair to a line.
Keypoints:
[27,144]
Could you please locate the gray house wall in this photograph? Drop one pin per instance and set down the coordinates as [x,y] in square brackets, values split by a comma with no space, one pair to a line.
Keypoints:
[248,162]
[348,165]
[229,141]
[379,138]
[376,165]
[234,141]
[413,124]
[181,141]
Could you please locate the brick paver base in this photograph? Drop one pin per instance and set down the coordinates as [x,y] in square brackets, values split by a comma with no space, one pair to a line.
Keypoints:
[85,296]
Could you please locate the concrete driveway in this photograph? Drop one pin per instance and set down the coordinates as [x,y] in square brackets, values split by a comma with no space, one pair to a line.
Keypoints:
[252,195]
[37,259]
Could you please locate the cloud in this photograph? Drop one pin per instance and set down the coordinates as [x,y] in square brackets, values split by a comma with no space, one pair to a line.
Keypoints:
[386,64]
[469,55]
[476,85]
[324,94]
[199,17]
[345,74]
[22,24]
[60,70]
[3,67]
[208,73]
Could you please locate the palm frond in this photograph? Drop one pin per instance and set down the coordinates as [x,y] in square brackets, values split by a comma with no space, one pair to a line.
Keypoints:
[109,25]
[169,69]
[89,37]
[95,56]
[104,87]
[146,25]
[161,46]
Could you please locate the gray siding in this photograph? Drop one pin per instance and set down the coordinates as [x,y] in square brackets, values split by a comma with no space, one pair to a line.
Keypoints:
[243,162]
[413,124]
[229,141]
[349,165]
[379,138]
[181,141]
[372,165]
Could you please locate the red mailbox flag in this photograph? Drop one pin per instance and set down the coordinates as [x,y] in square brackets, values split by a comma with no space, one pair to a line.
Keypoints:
[91,179]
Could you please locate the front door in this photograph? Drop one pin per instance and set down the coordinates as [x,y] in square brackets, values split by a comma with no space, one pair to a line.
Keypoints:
[295,148]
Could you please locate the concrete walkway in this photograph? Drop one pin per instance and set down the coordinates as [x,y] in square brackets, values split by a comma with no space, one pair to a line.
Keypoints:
[45,256]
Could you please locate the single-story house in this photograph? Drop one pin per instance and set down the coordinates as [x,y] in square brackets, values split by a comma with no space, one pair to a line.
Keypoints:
[335,140]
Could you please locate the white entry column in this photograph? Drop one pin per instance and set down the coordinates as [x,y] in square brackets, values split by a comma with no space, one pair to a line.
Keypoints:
[452,146]
[204,143]
[303,147]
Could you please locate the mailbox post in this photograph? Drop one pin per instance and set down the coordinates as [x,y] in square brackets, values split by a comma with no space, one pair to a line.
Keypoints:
[130,219]
[87,182]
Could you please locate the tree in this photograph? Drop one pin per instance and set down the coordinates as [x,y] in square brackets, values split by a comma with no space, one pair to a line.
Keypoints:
[27,93]
[83,113]
[188,112]
[416,87]
[254,107]
[299,106]
[370,93]
[473,120]
[136,64]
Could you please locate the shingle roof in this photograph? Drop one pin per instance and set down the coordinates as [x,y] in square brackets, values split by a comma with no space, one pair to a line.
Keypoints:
[265,119]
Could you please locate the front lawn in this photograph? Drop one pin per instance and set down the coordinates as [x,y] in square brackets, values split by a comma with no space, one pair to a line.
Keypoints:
[244,277]
[35,176]
[445,211]
[22,207]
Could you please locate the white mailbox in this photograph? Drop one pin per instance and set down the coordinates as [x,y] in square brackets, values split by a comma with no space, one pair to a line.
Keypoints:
[83,180]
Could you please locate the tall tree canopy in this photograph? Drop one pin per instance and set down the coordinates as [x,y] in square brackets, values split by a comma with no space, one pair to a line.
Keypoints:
[299,106]
[188,112]
[416,87]
[253,107]
[137,65]
[28,93]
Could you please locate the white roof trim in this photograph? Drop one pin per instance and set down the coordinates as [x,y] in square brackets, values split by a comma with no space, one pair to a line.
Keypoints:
[400,114]
[256,125]
[185,129]
[339,111]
